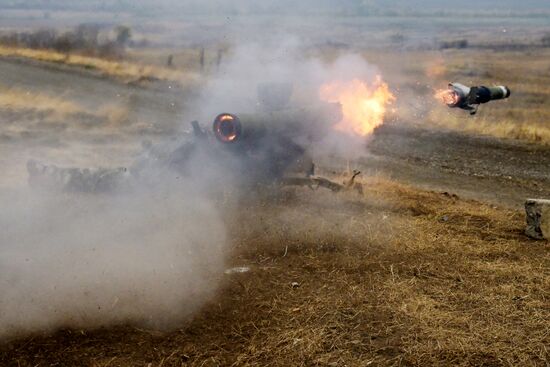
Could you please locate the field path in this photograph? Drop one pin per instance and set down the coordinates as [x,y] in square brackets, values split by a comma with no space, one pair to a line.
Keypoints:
[87,89]
[500,171]
[481,167]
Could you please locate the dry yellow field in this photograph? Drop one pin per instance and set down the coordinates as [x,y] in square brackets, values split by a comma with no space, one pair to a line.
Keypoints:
[398,277]
[117,69]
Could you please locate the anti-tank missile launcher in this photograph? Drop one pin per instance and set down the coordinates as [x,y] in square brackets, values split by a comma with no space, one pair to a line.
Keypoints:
[272,143]
[269,145]
[312,123]
[469,98]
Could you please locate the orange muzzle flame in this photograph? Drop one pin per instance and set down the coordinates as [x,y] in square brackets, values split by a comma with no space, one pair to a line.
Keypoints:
[448,96]
[363,106]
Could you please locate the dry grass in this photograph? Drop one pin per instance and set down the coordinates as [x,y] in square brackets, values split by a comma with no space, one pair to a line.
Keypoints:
[14,99]
[513,128]
[399,277]
[125,71]
[25,106]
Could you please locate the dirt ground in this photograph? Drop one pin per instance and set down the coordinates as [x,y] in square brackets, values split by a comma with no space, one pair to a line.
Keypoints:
[504,172]
[428,267]
[398,277]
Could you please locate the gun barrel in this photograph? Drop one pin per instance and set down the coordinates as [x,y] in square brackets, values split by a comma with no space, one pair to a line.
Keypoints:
[312,122]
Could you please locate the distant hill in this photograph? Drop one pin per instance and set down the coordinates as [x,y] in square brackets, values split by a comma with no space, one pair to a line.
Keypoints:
[438,5]
[337,7]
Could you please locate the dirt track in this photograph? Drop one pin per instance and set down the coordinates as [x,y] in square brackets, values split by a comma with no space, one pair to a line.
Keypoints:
[147,113]
[500,171]
[88,88]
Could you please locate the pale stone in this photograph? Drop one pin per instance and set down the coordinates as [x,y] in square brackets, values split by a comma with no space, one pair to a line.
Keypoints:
[538,218]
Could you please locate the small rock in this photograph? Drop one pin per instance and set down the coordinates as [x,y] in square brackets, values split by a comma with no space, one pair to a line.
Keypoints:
[538,218]
[295,285]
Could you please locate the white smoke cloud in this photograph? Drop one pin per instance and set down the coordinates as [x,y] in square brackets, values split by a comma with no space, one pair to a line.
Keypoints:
[150,256]
[234,88]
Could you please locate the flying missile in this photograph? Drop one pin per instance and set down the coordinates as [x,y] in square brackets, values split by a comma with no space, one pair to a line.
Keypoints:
[469,98]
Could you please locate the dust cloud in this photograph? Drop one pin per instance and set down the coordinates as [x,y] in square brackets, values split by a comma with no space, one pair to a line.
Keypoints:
[153,254]
[284,59]
[148,256]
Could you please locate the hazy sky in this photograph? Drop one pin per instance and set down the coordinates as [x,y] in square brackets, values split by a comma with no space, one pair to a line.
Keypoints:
[298,6]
